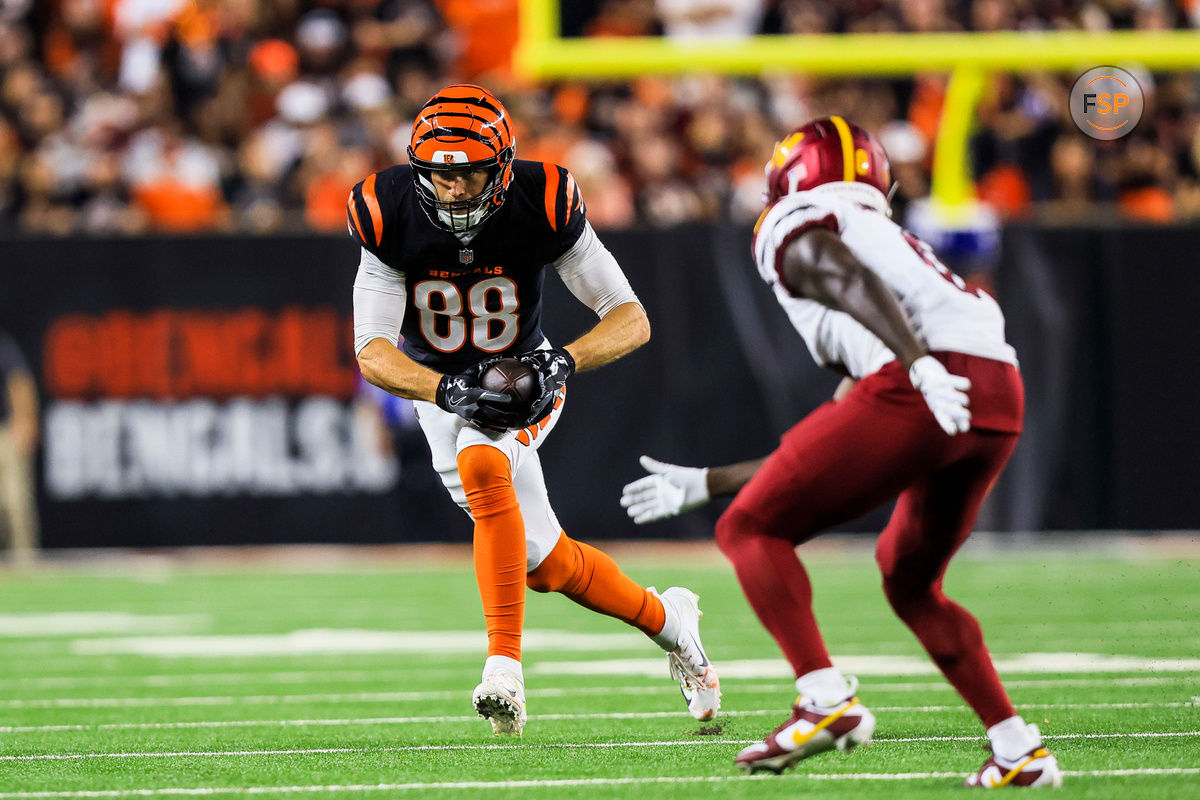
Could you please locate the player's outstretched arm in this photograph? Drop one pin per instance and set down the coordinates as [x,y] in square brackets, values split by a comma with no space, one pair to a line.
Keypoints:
[818,265]
[670,490]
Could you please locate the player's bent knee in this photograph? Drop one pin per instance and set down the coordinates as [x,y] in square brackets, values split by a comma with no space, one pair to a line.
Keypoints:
[539,582]
[481,465]
[908,594]
[487,480]
[556,570]
[734,528]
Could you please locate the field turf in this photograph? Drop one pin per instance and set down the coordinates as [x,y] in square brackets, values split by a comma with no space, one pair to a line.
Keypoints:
[322,674]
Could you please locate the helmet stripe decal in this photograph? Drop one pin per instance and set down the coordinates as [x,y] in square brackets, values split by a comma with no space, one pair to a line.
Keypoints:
[467,102]
[552,179]
[368,191]
[467,114]
[847,147]
[461,133]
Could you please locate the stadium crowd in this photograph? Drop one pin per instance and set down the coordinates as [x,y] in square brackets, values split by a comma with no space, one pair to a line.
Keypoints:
[122,116]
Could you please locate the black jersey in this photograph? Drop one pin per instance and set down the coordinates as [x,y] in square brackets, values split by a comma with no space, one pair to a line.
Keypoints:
[468,302]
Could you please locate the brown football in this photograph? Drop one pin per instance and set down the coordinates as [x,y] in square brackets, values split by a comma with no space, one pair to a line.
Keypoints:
[511,377]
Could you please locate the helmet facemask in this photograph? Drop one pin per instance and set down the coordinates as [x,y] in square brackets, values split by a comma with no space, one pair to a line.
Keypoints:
[458,216]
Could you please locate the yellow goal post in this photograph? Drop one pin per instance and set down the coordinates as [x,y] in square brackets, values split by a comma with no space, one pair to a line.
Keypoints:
[543,54]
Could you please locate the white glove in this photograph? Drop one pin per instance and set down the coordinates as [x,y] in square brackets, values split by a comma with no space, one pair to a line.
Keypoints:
[668,491]
[945,394]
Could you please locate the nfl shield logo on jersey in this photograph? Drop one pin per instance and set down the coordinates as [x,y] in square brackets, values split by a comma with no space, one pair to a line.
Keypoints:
[466,256]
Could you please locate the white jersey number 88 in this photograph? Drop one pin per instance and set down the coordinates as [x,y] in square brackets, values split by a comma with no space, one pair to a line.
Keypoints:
[478,318]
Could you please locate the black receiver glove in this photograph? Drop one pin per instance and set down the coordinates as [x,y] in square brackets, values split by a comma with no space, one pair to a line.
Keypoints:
[461,394]
[553,366]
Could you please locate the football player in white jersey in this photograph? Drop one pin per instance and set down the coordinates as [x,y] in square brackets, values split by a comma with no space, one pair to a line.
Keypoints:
[931,412]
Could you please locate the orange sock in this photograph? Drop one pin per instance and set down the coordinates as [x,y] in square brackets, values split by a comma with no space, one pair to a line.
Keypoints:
[592,579]
[499,546]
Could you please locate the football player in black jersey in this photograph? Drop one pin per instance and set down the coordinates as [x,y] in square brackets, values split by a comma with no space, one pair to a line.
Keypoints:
[454,250]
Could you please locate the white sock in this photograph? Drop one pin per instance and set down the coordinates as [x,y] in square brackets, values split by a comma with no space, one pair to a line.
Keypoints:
[668,637]
[825,687]
[503,664]
[1011,738]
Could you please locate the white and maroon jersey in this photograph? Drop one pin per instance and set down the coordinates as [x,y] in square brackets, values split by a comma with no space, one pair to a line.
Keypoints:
[946,313]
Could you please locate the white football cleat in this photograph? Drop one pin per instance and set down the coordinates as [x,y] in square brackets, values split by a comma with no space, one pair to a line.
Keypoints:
[501,698]
[811,729]
[1034,769]
[687,662]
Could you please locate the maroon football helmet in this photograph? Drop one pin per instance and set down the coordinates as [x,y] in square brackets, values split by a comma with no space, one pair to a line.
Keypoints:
[824,151]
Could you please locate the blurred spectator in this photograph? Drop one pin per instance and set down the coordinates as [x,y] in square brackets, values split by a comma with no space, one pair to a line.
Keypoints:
[909,153]
[121,116]
[608,195]
[1143,183]
[176,180]
[273,65]
[142,27]
[1073,171]
[709,19]
[327,173]
[486,33]
[623,18]
[18,441]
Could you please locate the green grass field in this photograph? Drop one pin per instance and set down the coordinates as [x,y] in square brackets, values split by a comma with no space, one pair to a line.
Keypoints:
[351,676]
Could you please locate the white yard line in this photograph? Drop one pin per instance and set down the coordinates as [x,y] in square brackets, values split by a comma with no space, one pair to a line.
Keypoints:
[781,687]
[472,718]
[550,784]
[528,747]
[193,678]
[335,675]
[886,665]
[335,641]
[76,623]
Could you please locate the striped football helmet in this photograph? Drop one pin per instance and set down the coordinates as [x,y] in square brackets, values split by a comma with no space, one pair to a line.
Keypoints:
[463,127]
[832,153]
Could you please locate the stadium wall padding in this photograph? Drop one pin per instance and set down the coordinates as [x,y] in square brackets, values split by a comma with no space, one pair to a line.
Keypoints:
[203,391]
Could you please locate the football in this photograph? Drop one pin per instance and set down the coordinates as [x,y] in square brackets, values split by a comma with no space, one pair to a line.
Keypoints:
[513,378]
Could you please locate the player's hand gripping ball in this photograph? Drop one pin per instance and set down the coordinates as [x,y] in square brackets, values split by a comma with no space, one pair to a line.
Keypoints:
[528,389]
[466,395]
[553,367]
[510,377]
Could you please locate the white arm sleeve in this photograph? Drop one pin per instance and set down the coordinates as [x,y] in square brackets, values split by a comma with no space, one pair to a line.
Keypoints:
[379,299]
[593,275]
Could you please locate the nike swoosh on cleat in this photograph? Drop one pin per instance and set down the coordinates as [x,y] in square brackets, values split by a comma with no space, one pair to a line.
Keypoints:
[700,650]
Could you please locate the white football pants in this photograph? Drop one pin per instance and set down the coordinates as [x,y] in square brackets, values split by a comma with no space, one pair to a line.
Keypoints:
[449,434]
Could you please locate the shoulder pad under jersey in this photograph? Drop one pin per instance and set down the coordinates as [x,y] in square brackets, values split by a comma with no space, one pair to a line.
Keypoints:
[373,203]
[556,198]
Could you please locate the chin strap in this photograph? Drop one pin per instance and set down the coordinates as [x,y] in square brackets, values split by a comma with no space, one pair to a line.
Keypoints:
[891,193]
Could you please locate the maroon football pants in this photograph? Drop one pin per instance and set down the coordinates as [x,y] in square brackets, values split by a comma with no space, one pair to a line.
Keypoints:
[847,458]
